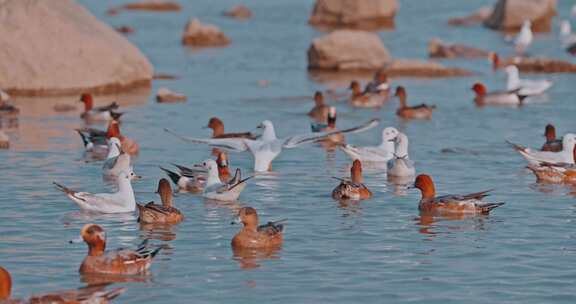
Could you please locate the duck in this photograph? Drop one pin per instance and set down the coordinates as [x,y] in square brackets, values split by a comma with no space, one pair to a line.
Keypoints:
[353,189]
[422,111]
[6,108]
[122,201]
[128,145]
[555,173]
[215,189]
[253,236]
[535,157]
[166,213]
[4,140]
[527,87]
[187,180]
[469,204]
[378,85]
[505,98]
[320,110]
[336,139]
[86,295]
[217,127]
[103,113]
[552,144]
[117,161]
[382,153]
[524,37]
[401,165]
[364,100]
[113,262]
[267,147]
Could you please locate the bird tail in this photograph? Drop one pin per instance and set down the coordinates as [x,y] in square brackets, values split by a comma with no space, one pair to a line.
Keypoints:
[488,207]
[116,115]
[172,175]
[114,293]
[84,138]
[64,188]
[516,147]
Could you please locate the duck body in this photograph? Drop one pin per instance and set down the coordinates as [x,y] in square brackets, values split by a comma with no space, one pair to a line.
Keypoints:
[254,236]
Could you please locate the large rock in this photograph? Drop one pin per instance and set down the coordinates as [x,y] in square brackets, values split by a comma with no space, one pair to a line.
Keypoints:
[58,47]
[203,35]
[354,13]
[348,50]
[508,15]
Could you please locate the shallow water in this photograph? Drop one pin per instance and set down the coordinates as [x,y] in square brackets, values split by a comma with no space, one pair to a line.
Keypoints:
[340,253]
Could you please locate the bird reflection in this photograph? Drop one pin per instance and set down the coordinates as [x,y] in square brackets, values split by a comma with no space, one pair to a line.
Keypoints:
[97,278]
[158,231]
[249,258]
[400,184]
[434,224]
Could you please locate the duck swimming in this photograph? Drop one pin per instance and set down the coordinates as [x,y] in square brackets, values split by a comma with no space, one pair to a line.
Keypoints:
[352,189]
[422,111]
[253,236]
[166,213]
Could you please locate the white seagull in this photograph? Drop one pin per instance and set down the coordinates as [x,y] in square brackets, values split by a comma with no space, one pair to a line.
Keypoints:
[525,87]
[267,147]
[566,36]
[524,37]
[119,202]
[401,165]
[382,153]
[534,157]
[217,190]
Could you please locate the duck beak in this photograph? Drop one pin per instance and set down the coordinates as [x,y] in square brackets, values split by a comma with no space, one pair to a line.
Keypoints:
[137,177]
[411,186]
[76,240]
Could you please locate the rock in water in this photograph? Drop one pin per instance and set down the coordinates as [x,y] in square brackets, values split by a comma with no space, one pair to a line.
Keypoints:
[59,48]
[238,12]
[165,95]
[508,15]
[358,14]
[348,50]
[198,34]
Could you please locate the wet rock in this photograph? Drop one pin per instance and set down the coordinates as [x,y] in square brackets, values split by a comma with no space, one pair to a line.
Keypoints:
[357,14]
[420,68]
[165,95]
[4,140]
[536,64]
[438,49]
[239,12]
[477,17]
[508,15]
[58,47]
[205,35]
[154,5]
[348,50]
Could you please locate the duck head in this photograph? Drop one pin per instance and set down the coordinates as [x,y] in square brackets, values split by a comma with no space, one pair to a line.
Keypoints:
[248,217]
[95,237]
[426,186]
[165,192]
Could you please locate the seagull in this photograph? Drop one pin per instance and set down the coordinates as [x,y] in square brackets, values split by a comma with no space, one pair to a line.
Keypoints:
[526,87]
[401,165]
[217,190]
[119,202]
[524,38]
[266,148]
[534,157]
[566,36]
[382,153]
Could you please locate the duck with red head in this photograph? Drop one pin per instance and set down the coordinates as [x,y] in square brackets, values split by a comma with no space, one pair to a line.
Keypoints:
[103,113]
[166,213]
[320,110]
[552,144]
[120,262]
[470,204]
[555,172]
[89,294]
[504,98]
[128,145]
[353,189]
[217,127]
[253,236]
[422,111]
[364,100]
